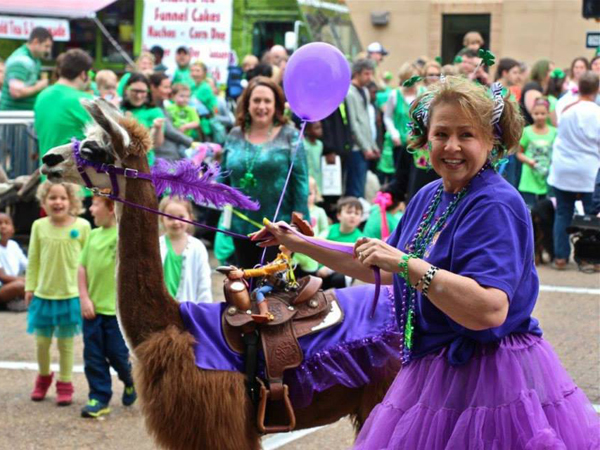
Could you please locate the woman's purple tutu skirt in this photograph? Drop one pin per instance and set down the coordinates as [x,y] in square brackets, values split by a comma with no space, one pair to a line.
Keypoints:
[509,396]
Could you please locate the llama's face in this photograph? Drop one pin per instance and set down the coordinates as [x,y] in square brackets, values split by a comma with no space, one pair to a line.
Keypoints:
[104,140]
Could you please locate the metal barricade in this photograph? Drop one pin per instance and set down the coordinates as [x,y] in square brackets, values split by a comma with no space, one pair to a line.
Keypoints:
[18,143]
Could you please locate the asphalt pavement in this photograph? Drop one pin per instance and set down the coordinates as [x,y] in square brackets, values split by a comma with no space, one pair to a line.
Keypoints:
[568,309]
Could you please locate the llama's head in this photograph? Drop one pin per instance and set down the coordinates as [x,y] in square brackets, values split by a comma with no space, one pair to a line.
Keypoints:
[110,139]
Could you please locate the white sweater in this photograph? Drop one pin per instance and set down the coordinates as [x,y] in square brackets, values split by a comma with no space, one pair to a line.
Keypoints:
[195,284]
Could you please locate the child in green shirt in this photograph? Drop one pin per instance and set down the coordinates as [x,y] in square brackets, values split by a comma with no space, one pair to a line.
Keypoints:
[51,290]
[104,346]
[349,214]
[184,117]
[535,153]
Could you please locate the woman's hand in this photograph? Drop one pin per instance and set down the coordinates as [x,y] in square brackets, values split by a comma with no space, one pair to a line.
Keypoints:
[28,298]
[374,252]
[273,234]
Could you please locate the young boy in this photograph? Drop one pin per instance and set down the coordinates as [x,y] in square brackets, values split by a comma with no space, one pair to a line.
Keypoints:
[13,263]
[314,150]
[184,117]
[104,346]
[106,85]
[349,214]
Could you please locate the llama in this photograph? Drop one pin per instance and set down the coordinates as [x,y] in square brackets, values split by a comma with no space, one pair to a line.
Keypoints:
[185,407]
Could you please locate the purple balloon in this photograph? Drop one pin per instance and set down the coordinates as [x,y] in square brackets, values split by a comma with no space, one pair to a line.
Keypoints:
[316,81]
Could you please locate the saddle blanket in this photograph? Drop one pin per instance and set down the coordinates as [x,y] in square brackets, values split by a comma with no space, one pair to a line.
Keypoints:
[352,353]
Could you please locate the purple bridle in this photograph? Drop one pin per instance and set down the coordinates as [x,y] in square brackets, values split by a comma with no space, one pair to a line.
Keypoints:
[113,172]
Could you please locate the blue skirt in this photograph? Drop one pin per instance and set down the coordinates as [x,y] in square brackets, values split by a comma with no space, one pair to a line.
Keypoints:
[60,318]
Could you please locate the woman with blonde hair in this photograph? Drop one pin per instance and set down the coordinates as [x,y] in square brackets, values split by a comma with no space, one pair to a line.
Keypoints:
[476,371]
[143,64]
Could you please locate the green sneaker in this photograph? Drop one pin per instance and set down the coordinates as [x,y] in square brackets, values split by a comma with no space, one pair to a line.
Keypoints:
[94,409]
[129,396]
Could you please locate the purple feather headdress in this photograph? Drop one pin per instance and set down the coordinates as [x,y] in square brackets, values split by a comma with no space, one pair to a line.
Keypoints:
[183,178]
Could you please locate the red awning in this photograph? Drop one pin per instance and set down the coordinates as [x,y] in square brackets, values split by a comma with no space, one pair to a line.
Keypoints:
[72,9]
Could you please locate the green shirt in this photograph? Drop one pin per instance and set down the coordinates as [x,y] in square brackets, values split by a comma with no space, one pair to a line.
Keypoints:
[539,148]
[182,115]
[98,257]
[336,235]
[54,258]
[373,226]
[146,115]
[205,95]
[184,76]
[21,65]
[314,152]
[59,116]
[172,268]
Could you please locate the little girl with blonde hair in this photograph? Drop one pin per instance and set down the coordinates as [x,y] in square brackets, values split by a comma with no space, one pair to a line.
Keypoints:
[51,288]
[185,259]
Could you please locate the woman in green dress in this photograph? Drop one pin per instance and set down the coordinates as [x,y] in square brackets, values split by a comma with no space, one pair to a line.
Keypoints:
[137,102]
[258,154]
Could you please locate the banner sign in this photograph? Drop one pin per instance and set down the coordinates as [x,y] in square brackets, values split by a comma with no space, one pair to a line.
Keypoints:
[13,27]
[204,26]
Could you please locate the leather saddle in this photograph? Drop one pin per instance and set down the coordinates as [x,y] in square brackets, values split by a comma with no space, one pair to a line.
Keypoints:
[298,312]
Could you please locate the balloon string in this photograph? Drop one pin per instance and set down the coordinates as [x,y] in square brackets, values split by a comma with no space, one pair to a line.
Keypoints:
[285,185]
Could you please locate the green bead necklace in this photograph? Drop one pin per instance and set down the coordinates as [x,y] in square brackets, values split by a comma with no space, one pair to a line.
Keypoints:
[426,231]
[249,181]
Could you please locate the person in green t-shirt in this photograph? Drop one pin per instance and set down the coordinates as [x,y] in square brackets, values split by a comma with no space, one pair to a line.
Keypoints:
[59,115]
[386,201]
[349,214]
[137,102]
[182,72]
[22,81]
[535,153]
[184,117]
[203,94]
[104,346]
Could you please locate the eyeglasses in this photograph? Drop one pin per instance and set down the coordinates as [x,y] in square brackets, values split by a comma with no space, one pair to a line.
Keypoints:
[138,91]
[432,75]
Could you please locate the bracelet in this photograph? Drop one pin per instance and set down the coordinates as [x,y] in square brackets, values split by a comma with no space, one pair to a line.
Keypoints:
[428,277]
[403,265]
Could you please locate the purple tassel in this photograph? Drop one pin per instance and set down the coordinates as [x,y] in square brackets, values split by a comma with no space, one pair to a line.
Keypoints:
[183,178]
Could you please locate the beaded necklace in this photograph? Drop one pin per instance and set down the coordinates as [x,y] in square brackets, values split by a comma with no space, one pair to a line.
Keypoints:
[249,181]
[426,231]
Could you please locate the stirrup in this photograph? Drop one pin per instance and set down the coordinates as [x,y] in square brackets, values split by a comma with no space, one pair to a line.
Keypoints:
[262,408]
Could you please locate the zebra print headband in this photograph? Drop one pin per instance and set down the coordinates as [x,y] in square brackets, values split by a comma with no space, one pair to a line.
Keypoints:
[420,115]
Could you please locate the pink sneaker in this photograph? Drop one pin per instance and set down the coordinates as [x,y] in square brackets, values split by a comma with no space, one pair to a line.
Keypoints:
[64,393]
[42,384]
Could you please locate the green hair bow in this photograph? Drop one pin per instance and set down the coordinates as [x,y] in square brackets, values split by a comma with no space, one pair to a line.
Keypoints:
[557,73]
[412,81]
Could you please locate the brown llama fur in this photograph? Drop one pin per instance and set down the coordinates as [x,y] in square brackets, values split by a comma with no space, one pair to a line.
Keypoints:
[141,141]
[186,407]
[176,397]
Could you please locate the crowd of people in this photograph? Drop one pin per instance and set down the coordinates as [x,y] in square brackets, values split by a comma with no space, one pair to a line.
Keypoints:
[387,170]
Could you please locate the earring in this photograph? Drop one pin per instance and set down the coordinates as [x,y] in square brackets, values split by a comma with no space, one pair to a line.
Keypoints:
[247,120]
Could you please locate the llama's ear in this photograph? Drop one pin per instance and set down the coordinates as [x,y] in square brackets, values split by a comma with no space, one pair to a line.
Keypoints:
[107,115]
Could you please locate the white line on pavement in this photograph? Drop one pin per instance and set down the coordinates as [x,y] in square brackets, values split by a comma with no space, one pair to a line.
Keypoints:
[569,289]
[272,443]
[279,440]
[19,365]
